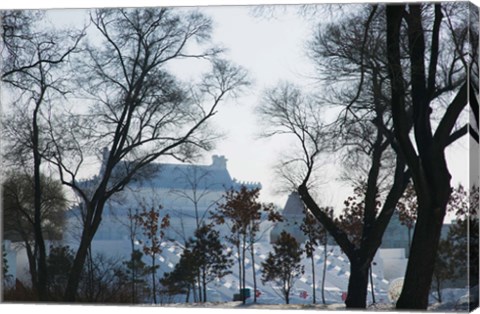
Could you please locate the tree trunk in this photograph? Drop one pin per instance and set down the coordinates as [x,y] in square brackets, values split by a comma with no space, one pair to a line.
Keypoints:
[242,292]
[371,285]
[90,291]
[313,280]
[204,283]
[438,285]
[418,277]
[154,287]
[199,288]
[239,261]
[76,270]
[409,241]
[39,240]
[324,269]
[286,293]
[252,253]
[429,169]
[195,292]
[32,265]
[134,270]
[357,285]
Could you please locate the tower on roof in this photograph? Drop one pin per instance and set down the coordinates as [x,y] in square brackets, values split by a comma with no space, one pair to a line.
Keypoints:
[219,162]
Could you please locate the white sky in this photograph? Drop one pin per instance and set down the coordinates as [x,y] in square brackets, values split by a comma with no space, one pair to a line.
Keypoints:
[271,50]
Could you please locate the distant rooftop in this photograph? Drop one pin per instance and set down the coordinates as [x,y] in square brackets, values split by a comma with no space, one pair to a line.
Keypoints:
[214,176]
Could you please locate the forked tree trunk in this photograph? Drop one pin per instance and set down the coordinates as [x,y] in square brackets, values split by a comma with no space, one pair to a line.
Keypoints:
[426,159]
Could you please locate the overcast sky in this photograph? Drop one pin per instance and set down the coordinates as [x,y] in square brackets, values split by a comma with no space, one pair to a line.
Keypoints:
[272,50]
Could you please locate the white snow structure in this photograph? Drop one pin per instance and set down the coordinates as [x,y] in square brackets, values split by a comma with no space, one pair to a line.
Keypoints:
[186,192]
[293,214]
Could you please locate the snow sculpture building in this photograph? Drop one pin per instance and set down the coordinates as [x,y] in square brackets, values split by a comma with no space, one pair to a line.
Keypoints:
[186,192]
[293,214]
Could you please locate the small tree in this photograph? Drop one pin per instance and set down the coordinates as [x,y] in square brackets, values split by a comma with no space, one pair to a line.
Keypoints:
[153,230]
[444,268]
[136,271]
[316,235]
[242,212]
[104,282]
[18,200]
[283,265]
[59,262]
[211,259]
[183,277]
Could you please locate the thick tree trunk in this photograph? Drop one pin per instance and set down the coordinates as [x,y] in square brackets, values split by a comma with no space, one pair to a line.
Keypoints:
[91,281]
[76,270]
[357,285]
[371,285]
[93,219]
[32,265]
[429,169]
[418,277]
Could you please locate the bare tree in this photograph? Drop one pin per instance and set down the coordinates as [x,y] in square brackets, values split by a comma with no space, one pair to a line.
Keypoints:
[18,194]
[33,73]
[140,111]
[242,213]
[425,153]
[197,186]
[351,57]
[154,231]
[288,111]
[316,235]
[282,266]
